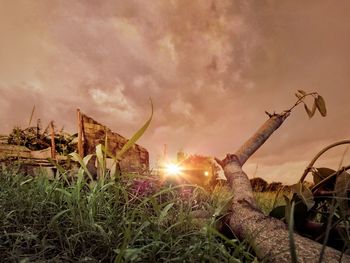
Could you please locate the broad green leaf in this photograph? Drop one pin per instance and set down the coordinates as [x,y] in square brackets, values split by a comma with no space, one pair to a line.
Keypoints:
[76,157]
[135,137]
[106,147]
[301,211]
[83,162]
[100,156]
[87,158]
[302,92]
[278,212]
[308,197]
[101,161]
[304,194]
[308,111]
[313,110]
[322,173]
[115,170]
[321,105]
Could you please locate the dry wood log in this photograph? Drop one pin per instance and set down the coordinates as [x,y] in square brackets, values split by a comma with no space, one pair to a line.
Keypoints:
[268,236]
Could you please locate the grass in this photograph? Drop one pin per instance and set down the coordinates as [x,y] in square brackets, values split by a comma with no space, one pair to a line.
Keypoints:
[129,220]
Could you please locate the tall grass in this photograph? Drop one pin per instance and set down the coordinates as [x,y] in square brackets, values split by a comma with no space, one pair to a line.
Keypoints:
[79,220]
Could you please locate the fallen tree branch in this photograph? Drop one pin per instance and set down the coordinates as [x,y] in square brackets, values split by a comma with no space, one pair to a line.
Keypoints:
[268,236]
[258,139]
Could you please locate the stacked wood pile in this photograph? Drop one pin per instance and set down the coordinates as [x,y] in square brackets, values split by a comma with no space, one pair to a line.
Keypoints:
[92,133]
[27,161]
[3,139]
[8,151]
[33,148]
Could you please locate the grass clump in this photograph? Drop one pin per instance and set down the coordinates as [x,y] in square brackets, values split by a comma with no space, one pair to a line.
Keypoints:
[57,220]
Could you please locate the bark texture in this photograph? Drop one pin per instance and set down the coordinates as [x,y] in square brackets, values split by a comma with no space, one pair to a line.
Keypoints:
[268,236]
[258,139]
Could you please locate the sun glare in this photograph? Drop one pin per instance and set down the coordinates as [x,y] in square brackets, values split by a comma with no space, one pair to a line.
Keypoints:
[172,169]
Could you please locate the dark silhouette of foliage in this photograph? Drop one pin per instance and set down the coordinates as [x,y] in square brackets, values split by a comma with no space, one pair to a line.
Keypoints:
[258,184]
[274,187]
[322,207]
[35,140]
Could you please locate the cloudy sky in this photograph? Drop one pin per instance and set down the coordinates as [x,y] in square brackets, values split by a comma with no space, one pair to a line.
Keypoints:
[211,67]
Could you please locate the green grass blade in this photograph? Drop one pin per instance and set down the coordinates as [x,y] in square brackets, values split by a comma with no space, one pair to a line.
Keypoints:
[58,215]
[63,191]
[164,212]
[328,230]
[59,167]
[31,116]
[135,137]
[292,247]
[83,162]
[26,181]
[101,162]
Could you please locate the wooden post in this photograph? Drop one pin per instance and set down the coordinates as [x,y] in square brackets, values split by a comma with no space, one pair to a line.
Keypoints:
[80,133]
[53,146]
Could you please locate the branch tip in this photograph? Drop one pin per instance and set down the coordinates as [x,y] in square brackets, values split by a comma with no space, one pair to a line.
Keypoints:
[229,159]
[268,114]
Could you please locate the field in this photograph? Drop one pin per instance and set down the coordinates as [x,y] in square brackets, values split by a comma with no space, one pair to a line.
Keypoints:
[129,220]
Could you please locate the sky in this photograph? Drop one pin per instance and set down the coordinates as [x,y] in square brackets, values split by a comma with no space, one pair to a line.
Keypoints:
[211,68]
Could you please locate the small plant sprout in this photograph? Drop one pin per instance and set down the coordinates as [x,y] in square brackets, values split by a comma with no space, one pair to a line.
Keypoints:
[319,103]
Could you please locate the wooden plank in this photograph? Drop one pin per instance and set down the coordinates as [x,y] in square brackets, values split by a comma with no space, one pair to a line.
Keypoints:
[53,146]
[80,133]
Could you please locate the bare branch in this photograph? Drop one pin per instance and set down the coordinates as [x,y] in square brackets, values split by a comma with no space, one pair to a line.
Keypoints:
[258,139]
[268,236]
[301,100]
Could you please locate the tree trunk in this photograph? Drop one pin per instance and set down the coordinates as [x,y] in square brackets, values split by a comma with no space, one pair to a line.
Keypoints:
[268,236]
